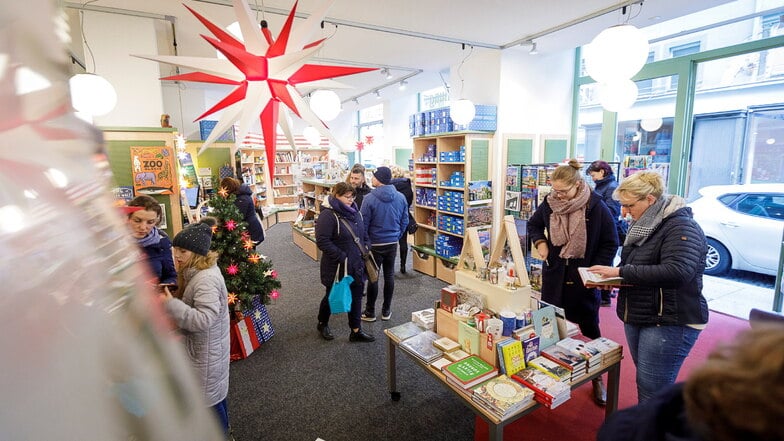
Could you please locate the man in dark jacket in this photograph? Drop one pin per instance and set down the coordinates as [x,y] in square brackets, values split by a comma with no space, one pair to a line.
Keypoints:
[403,185]
[385,213]
[356,178]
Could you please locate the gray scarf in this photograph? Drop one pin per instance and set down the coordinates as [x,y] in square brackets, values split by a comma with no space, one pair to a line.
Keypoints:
[152,238]
[641,229]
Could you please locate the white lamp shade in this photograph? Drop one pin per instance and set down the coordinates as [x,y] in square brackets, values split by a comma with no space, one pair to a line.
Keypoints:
[92,94]
[651,124]
[462,111]
[618,96]
[617,53]
[325,104]
[312,135]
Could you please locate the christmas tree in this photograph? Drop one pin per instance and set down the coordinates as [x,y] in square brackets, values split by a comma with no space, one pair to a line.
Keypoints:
[247,273]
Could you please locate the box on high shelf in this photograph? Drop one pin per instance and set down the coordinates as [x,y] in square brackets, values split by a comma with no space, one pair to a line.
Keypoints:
[206,127]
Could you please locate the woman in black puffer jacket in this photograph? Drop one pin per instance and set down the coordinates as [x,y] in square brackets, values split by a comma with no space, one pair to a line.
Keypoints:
[662,262]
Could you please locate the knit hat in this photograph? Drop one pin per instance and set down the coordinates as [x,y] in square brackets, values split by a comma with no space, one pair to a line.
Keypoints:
[196,237]
[383,174]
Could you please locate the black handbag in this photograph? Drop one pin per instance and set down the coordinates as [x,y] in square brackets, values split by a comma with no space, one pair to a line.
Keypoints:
[412,224]
[371,268]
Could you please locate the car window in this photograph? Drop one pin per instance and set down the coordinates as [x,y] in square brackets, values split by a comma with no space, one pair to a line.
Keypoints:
[762,205]
[727,199]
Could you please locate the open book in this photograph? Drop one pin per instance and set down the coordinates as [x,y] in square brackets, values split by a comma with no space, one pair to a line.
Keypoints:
[591,280]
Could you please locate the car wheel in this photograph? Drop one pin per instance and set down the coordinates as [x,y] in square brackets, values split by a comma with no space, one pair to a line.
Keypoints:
[718,260]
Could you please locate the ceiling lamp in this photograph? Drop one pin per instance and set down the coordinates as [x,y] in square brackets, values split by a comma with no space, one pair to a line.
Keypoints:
[533,50]
[378,94]
[462,111]
[651,124]
[617,53]
[618,96]
[403,84]
[325,104]
[312,135]
[92,94]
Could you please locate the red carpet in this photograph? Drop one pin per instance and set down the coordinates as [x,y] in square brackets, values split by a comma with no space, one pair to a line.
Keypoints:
[580,418]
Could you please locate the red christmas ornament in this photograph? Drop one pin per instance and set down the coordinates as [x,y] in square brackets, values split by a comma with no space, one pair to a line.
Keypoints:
[233,269]
[360,146]
[274,274]
[369,139]
[274,294]
[231,225]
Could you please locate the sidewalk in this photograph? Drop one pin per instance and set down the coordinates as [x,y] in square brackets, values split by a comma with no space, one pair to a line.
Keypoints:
[735,298]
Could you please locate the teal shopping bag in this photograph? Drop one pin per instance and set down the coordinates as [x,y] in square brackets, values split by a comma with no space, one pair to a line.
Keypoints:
[340,293]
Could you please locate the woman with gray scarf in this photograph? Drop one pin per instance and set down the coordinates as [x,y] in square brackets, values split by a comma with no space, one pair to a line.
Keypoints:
[573,228]
[662,262]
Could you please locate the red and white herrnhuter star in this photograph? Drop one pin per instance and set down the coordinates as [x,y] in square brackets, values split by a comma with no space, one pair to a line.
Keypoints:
[265,72]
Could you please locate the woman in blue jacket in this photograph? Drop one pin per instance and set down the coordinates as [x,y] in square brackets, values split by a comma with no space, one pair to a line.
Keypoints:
[144,215]
[246,206]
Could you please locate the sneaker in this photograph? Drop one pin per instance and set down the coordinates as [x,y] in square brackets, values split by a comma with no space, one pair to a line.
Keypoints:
[326,334]
[368,317]
[361,336]
[386,315]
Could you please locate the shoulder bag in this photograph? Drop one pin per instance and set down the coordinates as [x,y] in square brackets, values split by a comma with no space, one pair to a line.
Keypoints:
[340,293]
[371,268]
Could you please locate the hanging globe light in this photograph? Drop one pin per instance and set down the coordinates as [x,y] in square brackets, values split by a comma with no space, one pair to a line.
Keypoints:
[462,111]
[651,124]
[92,94]
[312,135]
[618,96]
[617,53]
[325,104]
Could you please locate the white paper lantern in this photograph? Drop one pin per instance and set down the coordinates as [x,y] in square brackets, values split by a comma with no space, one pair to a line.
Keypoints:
[92,94]
[325,104]
[651,124]
[312,135]
[617,53]
[462,111]
[617,96]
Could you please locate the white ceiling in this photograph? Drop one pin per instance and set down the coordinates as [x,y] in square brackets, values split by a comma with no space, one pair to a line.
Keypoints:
[369,31]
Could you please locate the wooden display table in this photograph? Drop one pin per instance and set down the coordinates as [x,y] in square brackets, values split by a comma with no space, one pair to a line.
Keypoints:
[494,423]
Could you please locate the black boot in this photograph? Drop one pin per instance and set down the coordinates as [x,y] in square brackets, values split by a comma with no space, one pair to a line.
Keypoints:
[326,334]
[599,391]
[402,267]
[361,336]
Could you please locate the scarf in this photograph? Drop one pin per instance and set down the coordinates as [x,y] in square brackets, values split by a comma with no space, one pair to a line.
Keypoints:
[567,223]
[152,238]
[641,229]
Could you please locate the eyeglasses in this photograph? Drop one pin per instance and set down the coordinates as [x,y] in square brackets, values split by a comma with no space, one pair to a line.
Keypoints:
[628,206]
[348,196]
[563,192]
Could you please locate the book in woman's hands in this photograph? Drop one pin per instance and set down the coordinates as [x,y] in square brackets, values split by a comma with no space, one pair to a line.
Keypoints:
[591,280]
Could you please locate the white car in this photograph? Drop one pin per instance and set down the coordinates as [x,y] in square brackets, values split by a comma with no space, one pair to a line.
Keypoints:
[744,226]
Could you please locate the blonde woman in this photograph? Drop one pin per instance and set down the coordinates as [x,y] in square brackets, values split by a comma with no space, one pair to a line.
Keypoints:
[201,312]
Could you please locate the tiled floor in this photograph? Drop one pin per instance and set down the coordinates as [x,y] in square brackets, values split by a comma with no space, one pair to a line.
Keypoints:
[735,298]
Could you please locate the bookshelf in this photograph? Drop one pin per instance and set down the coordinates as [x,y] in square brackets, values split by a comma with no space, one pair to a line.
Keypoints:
[254,172]
[314,191]
[451,193]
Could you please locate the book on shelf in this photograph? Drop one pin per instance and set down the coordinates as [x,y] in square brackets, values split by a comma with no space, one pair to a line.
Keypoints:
[510,356]
[469,371]
[404,331]
[545,326]
[502,395]
[421,346]
[592,280]
[446,344]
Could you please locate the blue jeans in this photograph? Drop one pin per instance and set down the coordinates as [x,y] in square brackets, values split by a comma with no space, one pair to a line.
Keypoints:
[658,353]
[222,412]
[385,259]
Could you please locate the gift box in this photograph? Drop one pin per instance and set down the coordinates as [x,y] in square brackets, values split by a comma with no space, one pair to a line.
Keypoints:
[243,338]
[261,321]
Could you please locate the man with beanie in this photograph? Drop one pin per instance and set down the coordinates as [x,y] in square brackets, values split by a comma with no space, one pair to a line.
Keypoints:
[385,213]
[200,311]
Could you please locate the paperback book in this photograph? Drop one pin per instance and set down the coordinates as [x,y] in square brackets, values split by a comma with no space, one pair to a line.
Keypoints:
[551,368]
[531,348]
[545,326]
[469,371]
[421,346]
[502,395]
[468,337]
[446,344]
[510,356]
[547,390]
[406,330]
[592,280]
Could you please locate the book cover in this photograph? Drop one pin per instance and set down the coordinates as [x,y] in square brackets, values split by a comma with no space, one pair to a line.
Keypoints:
[446,344]
[531,348]
[564,358]
[545,326]
[510,351]
[503,395]
[542,384]
[404,331]
[468,337]
[513,177]
[457,354]
[551,368]
[470,371]
[421,346]
[512,201]
[591,280]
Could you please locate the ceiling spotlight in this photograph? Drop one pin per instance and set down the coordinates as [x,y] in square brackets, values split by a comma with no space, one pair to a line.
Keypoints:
[385,72]
[403,85]
[378,94]
[533,50]
[356,100]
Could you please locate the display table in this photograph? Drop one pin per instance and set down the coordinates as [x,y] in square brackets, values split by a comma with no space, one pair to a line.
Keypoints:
[279,214]
[494,423]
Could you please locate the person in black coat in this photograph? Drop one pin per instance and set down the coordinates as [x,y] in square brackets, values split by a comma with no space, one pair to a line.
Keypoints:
[403,185]
[356,177]
[244,203]
[662,262]
[605,184]
[339,250]
[144,215]
[573,228]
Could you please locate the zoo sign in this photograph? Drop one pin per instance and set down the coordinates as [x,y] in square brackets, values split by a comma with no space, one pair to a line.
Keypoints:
[152,169]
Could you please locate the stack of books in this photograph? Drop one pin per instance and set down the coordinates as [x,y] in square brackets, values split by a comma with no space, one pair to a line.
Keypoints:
[551,368]
[593,358]
[402,332]
[573,362]
[502,396]
[424,318]
[510,356]
[610,350]
[421,346]
[469,372]
[548,391]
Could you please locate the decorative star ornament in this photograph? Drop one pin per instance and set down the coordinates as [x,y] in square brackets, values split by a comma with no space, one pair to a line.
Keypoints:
[257,314]
[254,258]
[248,244]
[233,269]
[369,139]
[268,273]
[232,298]
[230,225]
[264,72]
[223,192]
[360,145]
[214,229]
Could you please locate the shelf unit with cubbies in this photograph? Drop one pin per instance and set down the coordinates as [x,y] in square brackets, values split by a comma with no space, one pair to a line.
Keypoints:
[284,183]
[254,172]
[445,168]
[314,192]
